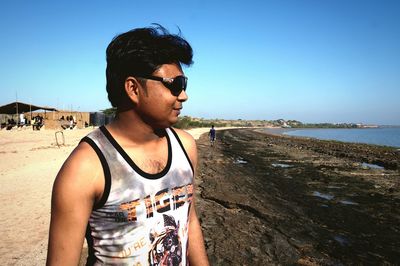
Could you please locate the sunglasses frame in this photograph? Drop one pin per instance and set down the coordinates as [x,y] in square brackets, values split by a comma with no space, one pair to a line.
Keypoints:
[169,83]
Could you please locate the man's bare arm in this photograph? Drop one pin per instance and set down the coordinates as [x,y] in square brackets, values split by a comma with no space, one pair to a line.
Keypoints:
[197,251]
[74,192]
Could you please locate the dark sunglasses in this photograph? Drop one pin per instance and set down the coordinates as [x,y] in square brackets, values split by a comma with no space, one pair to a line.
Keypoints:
[175,85]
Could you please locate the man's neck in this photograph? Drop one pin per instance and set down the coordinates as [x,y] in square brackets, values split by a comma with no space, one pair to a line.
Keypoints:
[128,125]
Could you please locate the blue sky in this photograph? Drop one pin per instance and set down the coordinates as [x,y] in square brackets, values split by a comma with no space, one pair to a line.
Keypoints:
[314,61]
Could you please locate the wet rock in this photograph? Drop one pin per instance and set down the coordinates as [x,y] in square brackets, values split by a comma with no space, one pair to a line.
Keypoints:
[260,214]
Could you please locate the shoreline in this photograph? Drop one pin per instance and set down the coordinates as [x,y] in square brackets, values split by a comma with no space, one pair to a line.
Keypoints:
[381,155]
[283,131]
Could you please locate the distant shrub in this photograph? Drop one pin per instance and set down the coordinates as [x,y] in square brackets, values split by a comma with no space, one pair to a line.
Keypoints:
[187,122]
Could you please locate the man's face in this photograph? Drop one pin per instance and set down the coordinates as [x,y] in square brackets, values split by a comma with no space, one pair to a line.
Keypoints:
[157,105]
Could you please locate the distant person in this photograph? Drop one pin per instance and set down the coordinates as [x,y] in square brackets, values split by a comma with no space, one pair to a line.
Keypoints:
[10,124]
[71,122]
[38,122]
[22,119]
[130,184]
[73,119]
[212,135]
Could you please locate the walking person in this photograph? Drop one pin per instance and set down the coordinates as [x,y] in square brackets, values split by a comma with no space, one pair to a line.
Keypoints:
[212,135]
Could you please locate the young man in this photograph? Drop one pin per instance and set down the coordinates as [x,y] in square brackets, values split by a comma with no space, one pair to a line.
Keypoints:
[128,186]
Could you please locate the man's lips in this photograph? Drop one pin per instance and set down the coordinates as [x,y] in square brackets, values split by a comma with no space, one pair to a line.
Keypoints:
[178,110]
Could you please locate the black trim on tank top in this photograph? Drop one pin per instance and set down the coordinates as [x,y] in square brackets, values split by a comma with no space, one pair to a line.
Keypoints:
[132,163]
[91,258]
[183,148]
[106,171]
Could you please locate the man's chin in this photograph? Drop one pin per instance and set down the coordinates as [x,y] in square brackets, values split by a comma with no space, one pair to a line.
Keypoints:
[174,120]
[167,124]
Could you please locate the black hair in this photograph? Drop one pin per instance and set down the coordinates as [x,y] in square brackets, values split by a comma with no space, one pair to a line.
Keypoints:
[140,52]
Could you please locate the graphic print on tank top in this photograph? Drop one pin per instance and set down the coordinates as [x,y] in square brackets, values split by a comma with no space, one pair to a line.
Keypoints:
[164,233]
[166,246]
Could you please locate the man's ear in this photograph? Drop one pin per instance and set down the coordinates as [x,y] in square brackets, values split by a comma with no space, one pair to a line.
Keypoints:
[132,88]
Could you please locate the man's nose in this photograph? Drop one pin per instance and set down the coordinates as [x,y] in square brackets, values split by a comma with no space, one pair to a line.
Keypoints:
[182,97]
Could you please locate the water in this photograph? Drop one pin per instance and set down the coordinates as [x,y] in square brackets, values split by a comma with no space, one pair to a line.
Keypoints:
[342,240]
[371,166]
[240,161]
[348,202]
[323,195]
[281,165]
[388,136]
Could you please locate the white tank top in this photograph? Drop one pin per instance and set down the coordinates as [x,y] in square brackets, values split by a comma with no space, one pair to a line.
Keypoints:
[142,218]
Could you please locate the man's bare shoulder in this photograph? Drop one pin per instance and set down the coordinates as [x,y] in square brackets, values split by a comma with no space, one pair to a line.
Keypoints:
[82,170]
[83,157]
[187,139]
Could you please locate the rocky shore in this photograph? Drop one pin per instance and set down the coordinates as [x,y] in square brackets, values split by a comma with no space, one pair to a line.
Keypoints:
[277,200]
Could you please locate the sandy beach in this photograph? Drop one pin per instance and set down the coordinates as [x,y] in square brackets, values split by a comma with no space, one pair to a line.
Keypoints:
[29,162]
[277,200]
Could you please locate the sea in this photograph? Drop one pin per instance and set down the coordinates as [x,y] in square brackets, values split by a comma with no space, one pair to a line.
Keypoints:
[387,136]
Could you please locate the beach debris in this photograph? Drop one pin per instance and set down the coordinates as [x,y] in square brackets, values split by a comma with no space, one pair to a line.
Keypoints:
[60,140]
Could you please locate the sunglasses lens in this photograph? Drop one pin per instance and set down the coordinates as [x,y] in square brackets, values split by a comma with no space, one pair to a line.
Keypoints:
[178,85]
